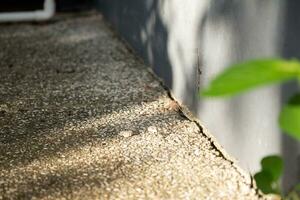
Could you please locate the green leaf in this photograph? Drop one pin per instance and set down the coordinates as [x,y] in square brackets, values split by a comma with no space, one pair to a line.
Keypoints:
[267,179]
[248,75]
[289,118]
[273,165]
[264,182]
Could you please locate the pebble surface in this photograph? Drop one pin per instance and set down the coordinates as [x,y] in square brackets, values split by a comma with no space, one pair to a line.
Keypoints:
[82,118]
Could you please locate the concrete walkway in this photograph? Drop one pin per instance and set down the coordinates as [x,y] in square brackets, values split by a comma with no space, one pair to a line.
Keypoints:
[82,118]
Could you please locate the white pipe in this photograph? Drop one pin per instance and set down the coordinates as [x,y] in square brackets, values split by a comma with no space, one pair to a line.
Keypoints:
[38,15]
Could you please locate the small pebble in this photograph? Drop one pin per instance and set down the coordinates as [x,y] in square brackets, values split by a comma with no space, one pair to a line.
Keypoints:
[126,134]
[152,129]
[197,152]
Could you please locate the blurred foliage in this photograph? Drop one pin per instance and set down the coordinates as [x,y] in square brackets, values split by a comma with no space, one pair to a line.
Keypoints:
[241,77]
[268,178]
[250,75]
[289,118]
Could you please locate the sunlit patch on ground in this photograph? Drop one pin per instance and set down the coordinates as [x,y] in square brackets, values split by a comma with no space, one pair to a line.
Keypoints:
[82,118]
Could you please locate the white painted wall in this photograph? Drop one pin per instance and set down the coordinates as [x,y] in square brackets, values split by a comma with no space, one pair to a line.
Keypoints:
[243,125]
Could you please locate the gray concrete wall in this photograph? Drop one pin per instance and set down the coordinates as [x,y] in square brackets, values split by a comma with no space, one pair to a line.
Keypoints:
[189,42]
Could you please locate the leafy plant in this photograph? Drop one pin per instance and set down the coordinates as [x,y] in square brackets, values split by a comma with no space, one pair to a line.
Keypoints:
[268,178]
[250,75]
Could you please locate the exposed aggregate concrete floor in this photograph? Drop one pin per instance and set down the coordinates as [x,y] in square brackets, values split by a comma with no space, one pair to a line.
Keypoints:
[82,118]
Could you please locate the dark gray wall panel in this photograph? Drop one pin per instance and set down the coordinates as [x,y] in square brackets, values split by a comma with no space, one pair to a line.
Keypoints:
[130,17]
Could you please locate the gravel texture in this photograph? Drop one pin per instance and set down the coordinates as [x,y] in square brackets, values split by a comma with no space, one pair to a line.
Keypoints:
[82,118]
